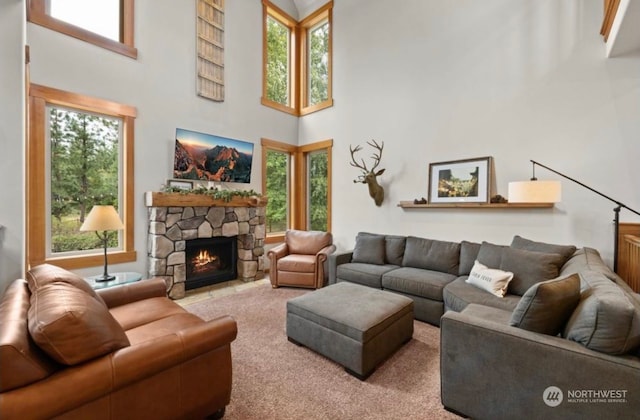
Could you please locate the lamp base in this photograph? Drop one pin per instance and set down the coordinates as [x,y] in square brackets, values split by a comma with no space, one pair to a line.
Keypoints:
[104,277]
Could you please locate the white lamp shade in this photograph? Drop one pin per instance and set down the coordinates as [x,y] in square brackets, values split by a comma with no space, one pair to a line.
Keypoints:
[102,218]
[535,192]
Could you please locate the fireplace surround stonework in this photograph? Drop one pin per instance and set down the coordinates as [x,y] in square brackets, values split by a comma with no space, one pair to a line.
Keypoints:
[175,218]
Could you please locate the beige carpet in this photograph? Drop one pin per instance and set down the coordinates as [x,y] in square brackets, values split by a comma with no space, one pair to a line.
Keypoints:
[275,379]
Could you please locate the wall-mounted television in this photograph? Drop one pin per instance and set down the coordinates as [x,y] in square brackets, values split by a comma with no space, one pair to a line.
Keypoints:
[206,157]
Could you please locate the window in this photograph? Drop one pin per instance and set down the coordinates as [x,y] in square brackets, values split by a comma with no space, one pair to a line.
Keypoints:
[318,186]
[297,182]
[107,24]
[86,147]
[276,183]
[297,60]
[316,75]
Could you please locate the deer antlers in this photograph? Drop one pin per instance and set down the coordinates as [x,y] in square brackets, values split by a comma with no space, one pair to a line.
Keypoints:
[369,176]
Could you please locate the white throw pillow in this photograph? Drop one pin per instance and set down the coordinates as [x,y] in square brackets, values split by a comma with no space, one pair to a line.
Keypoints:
[492,280]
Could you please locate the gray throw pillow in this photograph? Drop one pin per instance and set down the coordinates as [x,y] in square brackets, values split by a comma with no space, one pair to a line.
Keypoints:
[529,268]
[490,254]
[468,255]
[369,249]
[566,251]
[607,318]
[546,306]
[394,249]
[431,254]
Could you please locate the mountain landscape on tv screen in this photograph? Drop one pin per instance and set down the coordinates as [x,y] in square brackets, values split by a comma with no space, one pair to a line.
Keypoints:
[219,163]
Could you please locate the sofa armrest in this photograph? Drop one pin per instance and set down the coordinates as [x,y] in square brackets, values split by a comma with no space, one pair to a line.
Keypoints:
[507,369]
[278,252]
[335,260]
[97,378]
[132,292]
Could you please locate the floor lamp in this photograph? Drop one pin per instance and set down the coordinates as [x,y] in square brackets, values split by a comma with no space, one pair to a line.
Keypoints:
[103,219]
[535,191]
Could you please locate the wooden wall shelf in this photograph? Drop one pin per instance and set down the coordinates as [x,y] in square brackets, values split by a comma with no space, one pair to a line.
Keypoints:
[411,205]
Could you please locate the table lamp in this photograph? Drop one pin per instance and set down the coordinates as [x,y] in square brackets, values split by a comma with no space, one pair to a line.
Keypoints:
[102,218]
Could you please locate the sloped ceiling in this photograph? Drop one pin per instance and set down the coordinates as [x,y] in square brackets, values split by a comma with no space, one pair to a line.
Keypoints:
[627,38]
[305,7]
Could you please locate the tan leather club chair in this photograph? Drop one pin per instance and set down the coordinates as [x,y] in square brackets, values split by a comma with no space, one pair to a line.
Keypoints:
[300,260]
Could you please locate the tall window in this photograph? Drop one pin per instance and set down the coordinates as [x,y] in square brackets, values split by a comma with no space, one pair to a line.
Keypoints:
[318,190]
[84,160]
[316,75]
[105,23]
[278,54]
[86,147]
[297,182]
[297,60]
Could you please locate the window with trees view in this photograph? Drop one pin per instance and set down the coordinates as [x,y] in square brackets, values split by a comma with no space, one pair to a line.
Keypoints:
[292,48]
[80,154]
[84,160]
[297,182]
[106,23]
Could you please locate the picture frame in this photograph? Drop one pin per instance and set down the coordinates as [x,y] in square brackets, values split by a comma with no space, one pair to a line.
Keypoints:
[461,181]
[180,183]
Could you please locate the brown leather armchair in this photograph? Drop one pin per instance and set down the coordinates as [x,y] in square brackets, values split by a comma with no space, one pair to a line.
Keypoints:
[67,351]
[300,260]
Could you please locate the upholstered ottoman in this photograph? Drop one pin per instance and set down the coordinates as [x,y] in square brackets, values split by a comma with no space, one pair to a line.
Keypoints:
[355,326]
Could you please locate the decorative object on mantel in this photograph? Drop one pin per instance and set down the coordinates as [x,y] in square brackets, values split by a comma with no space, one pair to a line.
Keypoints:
[367,176]
[460,181]
[210,49]
[216,194]
[498,199]
[533,190]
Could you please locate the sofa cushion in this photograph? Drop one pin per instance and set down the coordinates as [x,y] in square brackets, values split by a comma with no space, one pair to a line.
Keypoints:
[365,274]
[490,254]
[529,268]
[298,263]
[307,242]
[566,251]
[71,326]
[468,255]
[417,282]
[432,254]
[587,259]
[458,294]
[546,306]
[491,280]
[393,247]
[44,274]
[22,361]
[607,319]
[369,249]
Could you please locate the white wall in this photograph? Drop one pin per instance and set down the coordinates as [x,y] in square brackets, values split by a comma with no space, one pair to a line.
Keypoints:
[12,28]
[516,80]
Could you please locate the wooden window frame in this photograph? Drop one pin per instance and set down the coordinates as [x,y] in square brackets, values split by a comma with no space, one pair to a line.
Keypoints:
[37,13]
[271,10]
[39,98]
[267,145]
[308,23]
[297,205]
[302,193]
[298,72]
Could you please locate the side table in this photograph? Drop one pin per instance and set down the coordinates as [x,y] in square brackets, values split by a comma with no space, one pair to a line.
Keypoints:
[121,278]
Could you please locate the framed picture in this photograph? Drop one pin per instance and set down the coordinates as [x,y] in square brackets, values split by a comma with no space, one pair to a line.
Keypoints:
[460,181]
[180,183]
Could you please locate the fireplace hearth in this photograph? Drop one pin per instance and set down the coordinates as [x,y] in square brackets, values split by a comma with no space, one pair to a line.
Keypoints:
[210,261]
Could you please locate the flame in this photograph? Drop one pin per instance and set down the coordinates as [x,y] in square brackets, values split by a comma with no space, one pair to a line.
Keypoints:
[204,258]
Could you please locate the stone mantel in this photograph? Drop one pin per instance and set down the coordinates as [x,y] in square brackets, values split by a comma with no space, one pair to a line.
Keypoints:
[162,199]
[175,218]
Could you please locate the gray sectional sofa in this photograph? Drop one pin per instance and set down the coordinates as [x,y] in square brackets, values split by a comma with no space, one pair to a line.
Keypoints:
[563,342]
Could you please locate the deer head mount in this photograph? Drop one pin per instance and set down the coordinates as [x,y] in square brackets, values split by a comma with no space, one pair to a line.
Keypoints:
[367,176]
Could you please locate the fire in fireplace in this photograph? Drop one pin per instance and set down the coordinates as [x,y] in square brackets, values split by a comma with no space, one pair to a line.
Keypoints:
[210,261]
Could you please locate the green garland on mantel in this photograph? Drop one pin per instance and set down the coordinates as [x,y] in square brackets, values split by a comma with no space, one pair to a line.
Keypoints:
[225,195]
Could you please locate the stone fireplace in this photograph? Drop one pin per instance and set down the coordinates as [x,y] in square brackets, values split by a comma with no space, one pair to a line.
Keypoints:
[177,218]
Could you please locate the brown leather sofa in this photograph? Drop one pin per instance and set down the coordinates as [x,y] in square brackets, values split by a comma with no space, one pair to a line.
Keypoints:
[300,260]
[68,351]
